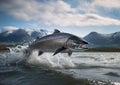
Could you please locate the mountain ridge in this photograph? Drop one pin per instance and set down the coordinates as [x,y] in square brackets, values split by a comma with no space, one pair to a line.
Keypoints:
[94,38]
[104,40]
[20,36]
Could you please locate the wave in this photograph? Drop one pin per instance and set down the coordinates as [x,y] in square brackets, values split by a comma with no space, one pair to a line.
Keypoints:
[48,60]
[95,66]
[61,60]
[16,56]
[112,74]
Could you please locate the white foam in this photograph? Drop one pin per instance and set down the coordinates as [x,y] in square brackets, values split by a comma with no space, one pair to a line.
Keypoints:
[60,60]
[15,55]
[47,59]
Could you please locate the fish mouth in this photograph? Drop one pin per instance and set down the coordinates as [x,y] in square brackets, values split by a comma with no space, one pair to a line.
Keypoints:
[82,46]
[84,42]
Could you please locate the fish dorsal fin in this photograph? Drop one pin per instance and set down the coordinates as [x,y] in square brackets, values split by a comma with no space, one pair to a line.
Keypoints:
[56,31]
[59,50]
[69,53]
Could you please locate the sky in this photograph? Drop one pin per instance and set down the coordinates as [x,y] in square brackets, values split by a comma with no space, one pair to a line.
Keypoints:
[79,17]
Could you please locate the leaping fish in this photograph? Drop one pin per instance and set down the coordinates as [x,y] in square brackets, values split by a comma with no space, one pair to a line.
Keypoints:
[57,42]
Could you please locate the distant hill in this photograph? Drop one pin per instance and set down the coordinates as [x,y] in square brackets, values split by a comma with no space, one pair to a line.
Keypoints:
[104,40]
[20,36]
[97,40]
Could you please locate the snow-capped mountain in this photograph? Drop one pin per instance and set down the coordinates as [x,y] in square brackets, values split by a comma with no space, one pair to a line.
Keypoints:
[107,40]
[94,38]
[20,36]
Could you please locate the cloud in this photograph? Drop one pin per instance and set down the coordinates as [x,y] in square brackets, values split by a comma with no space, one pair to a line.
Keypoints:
[56,12]
[32,9]
[93,6]
[94,19]
[107,3]
[9,28]
[21,9]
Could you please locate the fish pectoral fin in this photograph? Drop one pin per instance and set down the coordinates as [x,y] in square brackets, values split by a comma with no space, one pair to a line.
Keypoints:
[40,52]
[59,50]
[69,53]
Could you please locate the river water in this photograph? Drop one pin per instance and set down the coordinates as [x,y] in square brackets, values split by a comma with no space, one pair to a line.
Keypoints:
[82,68]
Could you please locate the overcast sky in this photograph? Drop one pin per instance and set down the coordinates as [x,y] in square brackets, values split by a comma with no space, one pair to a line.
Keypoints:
[79,17]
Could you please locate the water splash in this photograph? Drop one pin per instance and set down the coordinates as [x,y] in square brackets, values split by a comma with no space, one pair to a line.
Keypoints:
[16,56]
[94,66]
[47,59]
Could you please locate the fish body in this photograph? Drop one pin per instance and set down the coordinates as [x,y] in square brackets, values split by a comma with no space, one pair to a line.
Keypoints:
[58,42]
